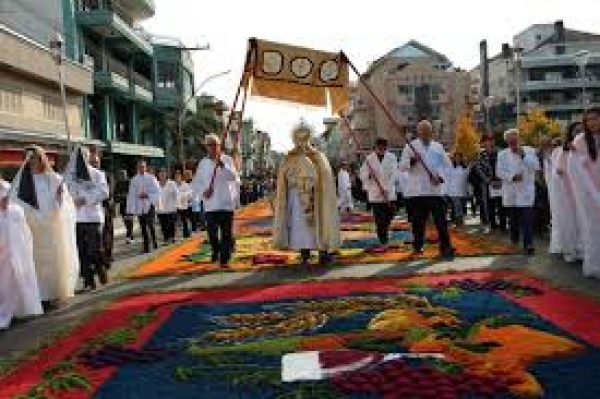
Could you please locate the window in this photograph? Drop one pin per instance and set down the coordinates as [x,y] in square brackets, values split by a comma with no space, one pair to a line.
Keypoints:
[52,109]
[167,75]
[11,100]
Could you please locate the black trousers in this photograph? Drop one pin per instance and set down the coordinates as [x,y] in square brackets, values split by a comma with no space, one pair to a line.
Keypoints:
[383,214]
[128,222]
[89,248]
[221,244]
[147,221]
[422,207]
[521,221]
[184,217]
[167,226]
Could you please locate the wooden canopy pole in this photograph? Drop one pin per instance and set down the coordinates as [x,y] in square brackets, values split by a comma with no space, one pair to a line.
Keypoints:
[387,114]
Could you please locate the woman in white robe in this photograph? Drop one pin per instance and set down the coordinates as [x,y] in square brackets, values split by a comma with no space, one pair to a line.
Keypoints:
[564,238]
[583,167]
[19,293]
[50,214]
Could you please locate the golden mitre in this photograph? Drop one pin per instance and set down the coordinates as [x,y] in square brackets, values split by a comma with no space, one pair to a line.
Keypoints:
[302,134]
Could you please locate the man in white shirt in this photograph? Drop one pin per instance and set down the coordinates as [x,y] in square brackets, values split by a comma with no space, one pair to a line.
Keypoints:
[216,182]
[378,174]
[142,199]
[424,187]
[516,167]
[167,206]
[89,189]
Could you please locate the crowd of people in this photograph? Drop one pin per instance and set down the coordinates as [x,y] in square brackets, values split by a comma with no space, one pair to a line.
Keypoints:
[57,229]
[520,189]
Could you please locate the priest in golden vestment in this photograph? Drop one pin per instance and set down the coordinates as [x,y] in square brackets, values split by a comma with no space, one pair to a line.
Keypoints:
[306,211]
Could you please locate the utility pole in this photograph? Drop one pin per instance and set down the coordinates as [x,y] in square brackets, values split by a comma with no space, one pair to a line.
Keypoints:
[57,46]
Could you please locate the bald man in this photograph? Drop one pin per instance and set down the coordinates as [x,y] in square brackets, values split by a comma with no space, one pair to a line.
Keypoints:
[425,162]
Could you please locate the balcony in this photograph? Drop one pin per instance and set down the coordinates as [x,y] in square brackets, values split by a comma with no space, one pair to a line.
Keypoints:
[114,77]
[562,84]
[574,105]
[110,25]
[142,89]
[554,60]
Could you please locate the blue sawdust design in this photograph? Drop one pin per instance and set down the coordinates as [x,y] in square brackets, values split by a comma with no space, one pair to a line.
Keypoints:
[576,377]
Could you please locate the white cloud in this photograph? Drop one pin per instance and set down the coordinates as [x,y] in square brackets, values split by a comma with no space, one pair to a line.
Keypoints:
[364,30]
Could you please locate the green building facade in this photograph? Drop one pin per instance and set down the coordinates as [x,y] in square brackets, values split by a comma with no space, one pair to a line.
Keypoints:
[141,81]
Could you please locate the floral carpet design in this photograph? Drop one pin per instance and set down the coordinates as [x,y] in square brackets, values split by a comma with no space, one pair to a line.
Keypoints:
[452,336]
[360,245]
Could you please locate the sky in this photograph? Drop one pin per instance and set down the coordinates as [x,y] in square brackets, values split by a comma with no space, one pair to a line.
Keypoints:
[364,30]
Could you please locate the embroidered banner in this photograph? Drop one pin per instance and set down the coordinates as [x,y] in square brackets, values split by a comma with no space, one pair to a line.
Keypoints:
[299,74]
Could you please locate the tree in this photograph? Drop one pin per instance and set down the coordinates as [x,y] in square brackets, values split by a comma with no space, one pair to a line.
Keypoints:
[535,126]
[206,120]
[466,138]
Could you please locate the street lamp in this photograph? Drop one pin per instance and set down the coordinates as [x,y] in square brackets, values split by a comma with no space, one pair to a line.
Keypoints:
[56,45]
[518,52]
[182,113]
[582,57]
[487,103]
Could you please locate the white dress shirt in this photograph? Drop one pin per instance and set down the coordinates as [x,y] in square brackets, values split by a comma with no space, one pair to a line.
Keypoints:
[456,181]
[418,181]
[168,197]
[93,192]
[385,172]
[225,186]
[142,184]
[184,196]
[510,164]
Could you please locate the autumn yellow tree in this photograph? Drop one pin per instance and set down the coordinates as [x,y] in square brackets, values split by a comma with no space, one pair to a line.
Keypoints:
[536,126]
[466,138]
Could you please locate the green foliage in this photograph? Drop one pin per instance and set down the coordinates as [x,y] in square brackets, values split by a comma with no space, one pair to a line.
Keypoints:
[417,289]
[450,293]
[374,345]
[416,334]
[445,366]
[477,347]
[266,347]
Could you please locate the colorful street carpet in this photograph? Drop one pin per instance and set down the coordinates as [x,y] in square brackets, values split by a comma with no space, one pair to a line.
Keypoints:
[455,336]
[360,245]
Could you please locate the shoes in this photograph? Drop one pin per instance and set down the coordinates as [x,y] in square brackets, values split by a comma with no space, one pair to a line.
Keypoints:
[103,276]
[447,254]
[530,251]
[129,241]
[325,259]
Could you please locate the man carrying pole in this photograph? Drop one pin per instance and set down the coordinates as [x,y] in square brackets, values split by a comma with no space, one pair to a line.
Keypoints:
[378,174]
